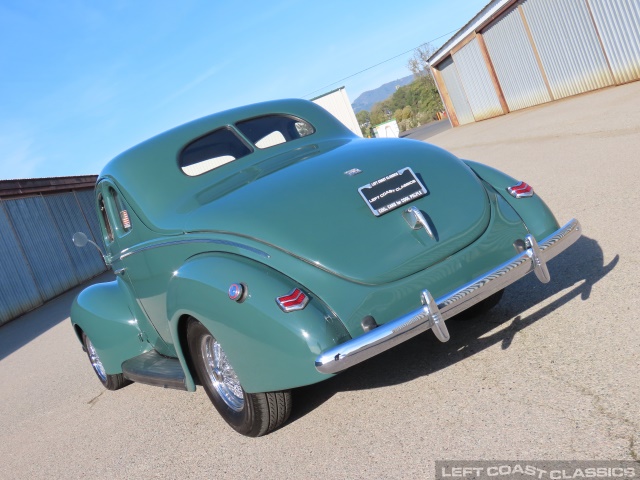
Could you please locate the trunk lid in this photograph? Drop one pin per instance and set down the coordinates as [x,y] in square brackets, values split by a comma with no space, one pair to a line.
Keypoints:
[313,210]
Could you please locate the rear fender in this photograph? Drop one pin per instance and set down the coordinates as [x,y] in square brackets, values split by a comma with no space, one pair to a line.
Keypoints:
[270,350]
[102,313]
[535,214]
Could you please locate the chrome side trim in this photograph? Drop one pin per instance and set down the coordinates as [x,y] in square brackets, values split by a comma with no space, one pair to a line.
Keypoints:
[171,243]
[433,313]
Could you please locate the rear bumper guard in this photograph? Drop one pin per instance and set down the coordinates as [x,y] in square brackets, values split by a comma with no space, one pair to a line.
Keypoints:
[433,313]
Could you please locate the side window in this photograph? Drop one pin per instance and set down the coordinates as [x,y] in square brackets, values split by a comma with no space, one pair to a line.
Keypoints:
[123,214]
[212,151]
[271,130]
[105,218]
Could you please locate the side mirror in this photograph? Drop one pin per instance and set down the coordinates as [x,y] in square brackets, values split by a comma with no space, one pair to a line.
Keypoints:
[80,239]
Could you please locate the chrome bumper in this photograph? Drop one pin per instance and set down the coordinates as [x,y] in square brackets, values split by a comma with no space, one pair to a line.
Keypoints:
[433,313]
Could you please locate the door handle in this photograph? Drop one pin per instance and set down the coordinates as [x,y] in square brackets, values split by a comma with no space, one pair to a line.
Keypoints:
[120,271]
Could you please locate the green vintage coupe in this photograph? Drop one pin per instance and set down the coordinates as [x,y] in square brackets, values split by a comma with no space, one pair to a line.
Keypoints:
[267,247]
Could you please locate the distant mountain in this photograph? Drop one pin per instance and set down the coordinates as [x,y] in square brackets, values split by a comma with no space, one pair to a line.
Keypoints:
[367,99]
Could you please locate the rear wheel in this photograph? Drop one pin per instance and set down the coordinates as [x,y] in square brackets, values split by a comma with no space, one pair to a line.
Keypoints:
[110,382]
[251,414]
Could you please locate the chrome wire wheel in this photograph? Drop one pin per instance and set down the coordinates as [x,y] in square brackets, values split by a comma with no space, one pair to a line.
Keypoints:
[220,374]
[95,361]
[251,414]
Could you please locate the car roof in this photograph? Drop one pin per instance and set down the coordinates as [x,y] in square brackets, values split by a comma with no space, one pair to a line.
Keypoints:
[149,177]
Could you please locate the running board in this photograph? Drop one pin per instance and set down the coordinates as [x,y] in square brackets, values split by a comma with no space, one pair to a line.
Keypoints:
[151,368]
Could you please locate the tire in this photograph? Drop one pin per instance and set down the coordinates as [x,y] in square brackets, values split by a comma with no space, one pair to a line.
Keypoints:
[481,307]
[251,414]
[110,382]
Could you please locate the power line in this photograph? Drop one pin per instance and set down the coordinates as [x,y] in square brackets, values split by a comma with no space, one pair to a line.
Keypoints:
[378,64]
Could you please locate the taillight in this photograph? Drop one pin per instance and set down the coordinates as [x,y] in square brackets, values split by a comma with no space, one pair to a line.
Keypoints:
[521,190]
[294,300]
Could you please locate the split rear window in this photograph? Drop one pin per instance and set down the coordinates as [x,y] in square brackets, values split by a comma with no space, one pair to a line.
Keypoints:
[224,145]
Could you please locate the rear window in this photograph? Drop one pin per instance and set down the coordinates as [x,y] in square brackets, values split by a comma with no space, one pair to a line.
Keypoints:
[212,151]
[271,130]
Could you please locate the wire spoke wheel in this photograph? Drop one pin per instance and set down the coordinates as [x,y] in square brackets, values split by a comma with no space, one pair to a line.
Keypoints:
[220,373]
[110,381]
[95,361]
[251,414]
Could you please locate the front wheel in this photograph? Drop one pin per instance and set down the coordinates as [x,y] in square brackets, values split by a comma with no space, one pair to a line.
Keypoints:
[110,382]
[251,414]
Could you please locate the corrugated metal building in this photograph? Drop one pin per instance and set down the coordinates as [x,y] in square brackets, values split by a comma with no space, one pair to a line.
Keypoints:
[516,54]
[38,261]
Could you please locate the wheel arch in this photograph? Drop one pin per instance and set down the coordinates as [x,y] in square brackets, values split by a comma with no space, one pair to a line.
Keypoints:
[269,349]
[102,313]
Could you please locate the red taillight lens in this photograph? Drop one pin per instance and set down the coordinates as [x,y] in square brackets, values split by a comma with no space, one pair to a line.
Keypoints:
[294,300]
[521,190]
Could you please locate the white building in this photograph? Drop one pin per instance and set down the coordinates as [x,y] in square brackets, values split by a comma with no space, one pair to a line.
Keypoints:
[337,103]
[388,129]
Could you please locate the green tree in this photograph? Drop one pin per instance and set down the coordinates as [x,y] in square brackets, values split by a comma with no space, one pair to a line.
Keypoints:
[364,120]
[381,112]
[414,104]
[407,113]
[419,63]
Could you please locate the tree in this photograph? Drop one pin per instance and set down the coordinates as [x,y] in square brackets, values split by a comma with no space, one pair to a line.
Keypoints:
[364,120]
[414,104]
[381,112]
[419,63]
[407,113]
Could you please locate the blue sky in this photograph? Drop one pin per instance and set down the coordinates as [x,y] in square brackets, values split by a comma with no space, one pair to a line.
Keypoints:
[81,81]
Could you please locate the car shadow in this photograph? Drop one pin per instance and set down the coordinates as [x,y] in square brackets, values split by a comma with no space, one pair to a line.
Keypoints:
[576,270]
[19,332]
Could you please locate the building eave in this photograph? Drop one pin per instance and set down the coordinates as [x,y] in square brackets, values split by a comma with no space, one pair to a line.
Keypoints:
[34,186]
[492,10]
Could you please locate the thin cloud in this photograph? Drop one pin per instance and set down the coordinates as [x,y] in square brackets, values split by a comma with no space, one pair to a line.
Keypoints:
[17,156]
[195,82]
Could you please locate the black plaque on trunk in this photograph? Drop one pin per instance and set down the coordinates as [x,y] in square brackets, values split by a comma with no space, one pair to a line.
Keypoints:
[392,191]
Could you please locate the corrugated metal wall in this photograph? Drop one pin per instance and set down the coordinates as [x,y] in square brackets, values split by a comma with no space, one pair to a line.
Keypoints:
[477,83]
[18,290]
[542,50]
[617,20]
[66,214]
[42,245]
[515,63]
[456,91]
[38,259]
[86,200]
[568,45]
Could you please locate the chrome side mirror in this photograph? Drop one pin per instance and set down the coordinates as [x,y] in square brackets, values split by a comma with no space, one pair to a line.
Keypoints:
[80,239]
